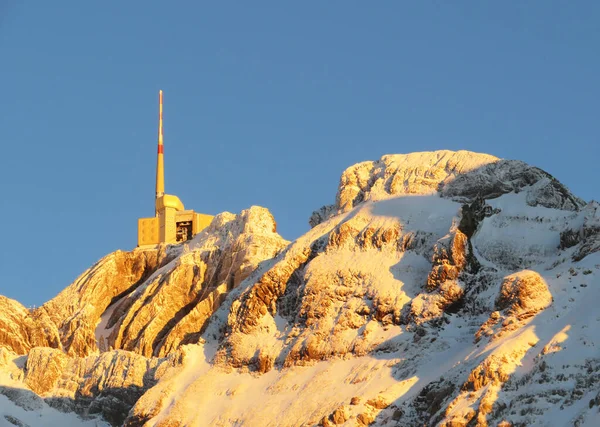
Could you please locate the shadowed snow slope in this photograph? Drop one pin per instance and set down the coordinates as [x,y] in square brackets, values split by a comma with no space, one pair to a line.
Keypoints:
[442,288]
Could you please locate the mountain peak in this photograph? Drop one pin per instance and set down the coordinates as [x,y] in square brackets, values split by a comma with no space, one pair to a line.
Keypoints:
[441,288]
[460,175]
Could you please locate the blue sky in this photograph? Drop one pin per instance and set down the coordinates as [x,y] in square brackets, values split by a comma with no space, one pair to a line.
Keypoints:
[266,103]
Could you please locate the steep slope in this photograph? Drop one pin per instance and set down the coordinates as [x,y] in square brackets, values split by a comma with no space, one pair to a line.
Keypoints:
[449,288]
[147,301]
[407,309]
[21,329]
[95,387]
[462,175]
[173,305]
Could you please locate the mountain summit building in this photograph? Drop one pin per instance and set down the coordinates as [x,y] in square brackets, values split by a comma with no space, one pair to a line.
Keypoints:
[172,223]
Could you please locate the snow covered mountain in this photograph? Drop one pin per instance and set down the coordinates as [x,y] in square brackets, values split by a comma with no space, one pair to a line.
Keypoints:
[441,288]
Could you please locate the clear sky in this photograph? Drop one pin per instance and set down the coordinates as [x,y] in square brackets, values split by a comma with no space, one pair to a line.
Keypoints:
[266,103]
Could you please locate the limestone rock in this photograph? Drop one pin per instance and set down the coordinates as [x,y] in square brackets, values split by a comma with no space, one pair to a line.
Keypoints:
[505,176]
[523,293]
[452,257]
[78,308]
[589,233]
[13,334]
[340,415]
[490,371]
[331,303]
[174,305]
[521,296]
[147,300]
[44,368]
[21,329]
[375,306]
[322,214]
[415,173]
[462,174]
[108,384]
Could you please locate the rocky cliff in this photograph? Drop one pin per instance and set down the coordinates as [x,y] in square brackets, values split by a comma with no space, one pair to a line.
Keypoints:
[147,301]
[441,288]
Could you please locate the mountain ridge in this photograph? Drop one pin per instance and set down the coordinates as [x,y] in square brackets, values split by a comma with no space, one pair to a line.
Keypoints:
[435,252]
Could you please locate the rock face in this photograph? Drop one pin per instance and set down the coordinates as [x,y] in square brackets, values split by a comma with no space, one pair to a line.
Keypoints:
[20,330]
[333,304]
[462,174]
[173,306]
[441,288]
[522,295]
[107,385]
[44,367]
[147,300]
[77,309]
[589,233]
[68,321]
[505,176]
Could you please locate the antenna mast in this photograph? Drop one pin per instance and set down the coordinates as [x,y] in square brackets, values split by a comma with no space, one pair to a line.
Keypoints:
[160,161]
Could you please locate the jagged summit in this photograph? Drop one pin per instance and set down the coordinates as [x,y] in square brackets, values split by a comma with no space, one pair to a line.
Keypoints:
[461,175]
[442,288]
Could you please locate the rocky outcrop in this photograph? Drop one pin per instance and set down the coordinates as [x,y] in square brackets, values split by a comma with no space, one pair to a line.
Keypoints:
[173,306]
[77,309]
[589,233]
[368,318]
[415,173]
[105,385]
[44,368]
[443,288]
[318,300]
[483,385]
[522,295]
[151,403]
[21,329]
[452,259]
[460,175]
[506,176]
[108,384]
[148,300]
[322,214]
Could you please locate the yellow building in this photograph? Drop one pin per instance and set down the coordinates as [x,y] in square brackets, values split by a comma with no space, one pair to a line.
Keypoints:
[172,223]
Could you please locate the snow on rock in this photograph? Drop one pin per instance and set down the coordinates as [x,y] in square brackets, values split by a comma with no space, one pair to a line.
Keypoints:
[108,384]
[589,233]
[21,406]
[77,309]
[14,412]
[505,176]
[333,291]
[43,369]
[146,300]
[521,296]
[149,301]
[462,175]
[172,307]
[415,173]
[443,288]
[401,281]
[523,293]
